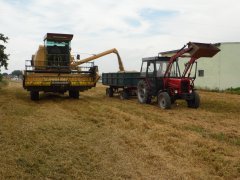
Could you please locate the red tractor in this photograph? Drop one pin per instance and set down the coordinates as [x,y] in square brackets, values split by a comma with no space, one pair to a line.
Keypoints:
[161,77]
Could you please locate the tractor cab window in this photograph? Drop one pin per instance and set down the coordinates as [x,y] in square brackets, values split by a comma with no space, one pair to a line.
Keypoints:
[150,69]
[161,67]
[144,69]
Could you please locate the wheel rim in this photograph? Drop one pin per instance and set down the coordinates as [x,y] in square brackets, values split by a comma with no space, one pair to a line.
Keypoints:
[141,92]
[162,102]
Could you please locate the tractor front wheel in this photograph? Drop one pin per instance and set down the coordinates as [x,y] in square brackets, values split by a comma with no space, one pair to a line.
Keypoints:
[195,102]
[164,100]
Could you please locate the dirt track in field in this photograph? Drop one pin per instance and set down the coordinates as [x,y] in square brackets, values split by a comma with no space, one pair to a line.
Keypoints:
[97,137]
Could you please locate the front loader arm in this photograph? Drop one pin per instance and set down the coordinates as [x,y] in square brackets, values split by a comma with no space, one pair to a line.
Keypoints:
[195,51]
[175,57]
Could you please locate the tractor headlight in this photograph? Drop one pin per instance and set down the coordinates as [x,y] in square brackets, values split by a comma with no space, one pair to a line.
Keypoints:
[175,91]
[190,91]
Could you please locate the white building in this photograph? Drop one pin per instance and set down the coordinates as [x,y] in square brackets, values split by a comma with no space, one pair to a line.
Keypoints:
[221,71]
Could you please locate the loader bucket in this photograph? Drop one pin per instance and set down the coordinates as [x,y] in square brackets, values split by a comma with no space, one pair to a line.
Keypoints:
[202,50]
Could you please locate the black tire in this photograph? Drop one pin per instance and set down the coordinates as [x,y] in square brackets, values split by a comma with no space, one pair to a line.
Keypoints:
[164,100]
[109,92]
[195,102]
[74,94]
[143,92]
[124,95]
[34,95]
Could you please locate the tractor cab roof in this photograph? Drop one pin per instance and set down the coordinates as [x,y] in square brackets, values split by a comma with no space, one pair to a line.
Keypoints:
[156,58]
[58,37]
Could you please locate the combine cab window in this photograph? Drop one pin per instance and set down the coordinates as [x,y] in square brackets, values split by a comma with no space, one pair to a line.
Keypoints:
[54,43]
[58,53]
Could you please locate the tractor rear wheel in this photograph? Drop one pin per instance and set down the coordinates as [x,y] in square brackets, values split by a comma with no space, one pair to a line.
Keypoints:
[195,102]
[164,100]
[143,92]
[74,94]
[109,92]
[34,95]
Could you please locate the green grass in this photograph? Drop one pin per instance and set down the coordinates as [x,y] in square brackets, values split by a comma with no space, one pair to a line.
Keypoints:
[219,136]
[233,90]
[229,90]
[3,83]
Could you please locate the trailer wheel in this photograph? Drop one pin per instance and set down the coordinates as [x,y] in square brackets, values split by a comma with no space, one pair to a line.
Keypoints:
[195,102]
[109,92]
[74,94]
[143,93]
[34,95]
[124,95]
[164,100]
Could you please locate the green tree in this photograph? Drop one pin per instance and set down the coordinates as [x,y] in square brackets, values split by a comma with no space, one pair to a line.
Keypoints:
[3,56]
[17,73]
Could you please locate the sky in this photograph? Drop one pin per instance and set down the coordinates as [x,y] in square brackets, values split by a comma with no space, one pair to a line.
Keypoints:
[137,28]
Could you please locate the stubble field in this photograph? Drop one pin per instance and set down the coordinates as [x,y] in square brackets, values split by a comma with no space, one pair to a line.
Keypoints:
[97,137]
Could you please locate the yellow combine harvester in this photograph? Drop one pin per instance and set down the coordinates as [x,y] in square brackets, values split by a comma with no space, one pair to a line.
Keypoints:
[54,69]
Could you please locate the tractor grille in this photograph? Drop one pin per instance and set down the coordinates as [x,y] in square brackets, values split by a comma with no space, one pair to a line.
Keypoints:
[184,86]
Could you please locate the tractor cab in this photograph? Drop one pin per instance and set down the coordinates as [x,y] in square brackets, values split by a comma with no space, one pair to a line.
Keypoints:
[154,66]
[153,70]
[58,48]
[157,67]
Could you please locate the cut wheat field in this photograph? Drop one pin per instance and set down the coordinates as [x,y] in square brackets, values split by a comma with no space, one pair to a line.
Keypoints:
[97,137]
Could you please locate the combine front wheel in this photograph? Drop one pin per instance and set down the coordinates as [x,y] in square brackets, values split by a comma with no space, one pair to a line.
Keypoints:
[74,94]
[34,95]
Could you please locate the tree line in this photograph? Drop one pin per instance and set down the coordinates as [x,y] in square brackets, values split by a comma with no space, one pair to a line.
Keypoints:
[3,56]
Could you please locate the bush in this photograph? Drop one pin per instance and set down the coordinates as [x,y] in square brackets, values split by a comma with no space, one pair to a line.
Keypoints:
[233,90]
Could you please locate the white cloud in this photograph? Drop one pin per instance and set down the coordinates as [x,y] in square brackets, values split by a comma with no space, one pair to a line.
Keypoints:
[99,25]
